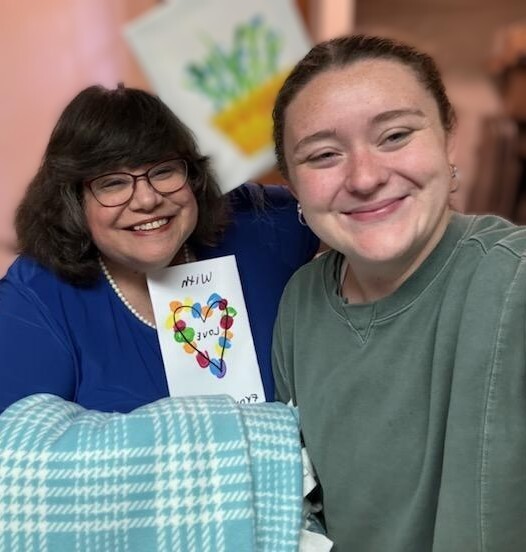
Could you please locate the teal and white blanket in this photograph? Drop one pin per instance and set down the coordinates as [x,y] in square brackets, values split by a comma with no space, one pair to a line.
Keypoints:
[187,474]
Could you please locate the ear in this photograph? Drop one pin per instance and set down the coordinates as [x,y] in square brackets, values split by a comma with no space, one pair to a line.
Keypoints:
[291,187]
[451,143]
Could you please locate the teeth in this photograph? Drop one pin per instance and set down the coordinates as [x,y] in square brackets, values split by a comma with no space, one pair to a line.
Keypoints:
[151,225]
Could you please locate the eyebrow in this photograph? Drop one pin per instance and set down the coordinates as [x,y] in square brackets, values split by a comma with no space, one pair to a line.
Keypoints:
[320,135]
[395,114]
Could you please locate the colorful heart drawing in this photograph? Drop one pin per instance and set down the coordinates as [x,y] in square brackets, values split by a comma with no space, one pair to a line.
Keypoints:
[182,315]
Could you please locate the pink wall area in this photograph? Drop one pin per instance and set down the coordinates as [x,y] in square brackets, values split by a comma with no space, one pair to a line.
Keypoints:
[49,51]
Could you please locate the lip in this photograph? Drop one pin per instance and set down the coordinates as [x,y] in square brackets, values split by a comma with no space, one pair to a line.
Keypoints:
[377,210]
[149,221]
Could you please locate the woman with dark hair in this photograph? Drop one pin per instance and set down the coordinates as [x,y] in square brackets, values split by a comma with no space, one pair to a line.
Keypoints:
[123,190]
[403,346]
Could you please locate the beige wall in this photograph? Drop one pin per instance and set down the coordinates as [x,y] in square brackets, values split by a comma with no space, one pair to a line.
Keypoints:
[331,18]
[49,50]
[459,34]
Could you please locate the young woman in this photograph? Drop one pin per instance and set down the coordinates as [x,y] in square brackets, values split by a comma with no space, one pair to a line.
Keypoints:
[403,347]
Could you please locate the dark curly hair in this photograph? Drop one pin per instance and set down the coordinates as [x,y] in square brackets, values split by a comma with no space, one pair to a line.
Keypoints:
[101,130]
[343,51]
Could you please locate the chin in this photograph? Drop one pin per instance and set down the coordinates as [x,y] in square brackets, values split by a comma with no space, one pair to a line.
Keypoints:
[374,251]
[151,264]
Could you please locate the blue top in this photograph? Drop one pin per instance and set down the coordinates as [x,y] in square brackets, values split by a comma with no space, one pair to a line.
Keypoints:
[83,344]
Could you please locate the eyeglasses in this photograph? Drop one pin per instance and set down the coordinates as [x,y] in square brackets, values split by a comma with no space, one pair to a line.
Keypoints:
[114,189]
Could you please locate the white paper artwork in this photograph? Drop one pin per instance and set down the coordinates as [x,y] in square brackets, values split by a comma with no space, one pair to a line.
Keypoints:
[204,331]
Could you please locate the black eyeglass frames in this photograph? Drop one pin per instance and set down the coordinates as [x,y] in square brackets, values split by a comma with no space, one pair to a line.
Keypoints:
[117,188]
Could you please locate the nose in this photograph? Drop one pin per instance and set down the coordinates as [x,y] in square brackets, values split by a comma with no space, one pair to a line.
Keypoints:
[365,172]
[144,197]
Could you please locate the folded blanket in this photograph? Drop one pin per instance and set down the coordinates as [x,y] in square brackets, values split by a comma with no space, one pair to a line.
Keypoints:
[186,474]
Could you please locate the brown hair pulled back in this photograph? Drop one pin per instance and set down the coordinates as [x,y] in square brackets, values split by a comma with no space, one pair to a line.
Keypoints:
[340,52]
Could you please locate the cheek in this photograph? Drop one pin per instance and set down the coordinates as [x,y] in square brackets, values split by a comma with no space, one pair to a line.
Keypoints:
[92,216]
[428,170]
[316,188]
[438,179]
[189,202]
[98,219]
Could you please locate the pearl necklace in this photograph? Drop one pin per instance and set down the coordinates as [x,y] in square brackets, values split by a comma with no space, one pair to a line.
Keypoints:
[120,295]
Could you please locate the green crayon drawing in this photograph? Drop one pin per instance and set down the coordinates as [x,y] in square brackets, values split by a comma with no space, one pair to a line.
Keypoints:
[224,76]
[242,83]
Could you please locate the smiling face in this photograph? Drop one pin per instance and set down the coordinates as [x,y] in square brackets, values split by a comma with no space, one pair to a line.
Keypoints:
[367,158]
[147,232]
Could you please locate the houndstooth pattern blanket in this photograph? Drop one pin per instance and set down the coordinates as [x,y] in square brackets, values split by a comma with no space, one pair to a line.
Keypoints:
[186,474]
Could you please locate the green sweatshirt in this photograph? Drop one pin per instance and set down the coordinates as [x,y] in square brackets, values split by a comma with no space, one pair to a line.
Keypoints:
[413,408]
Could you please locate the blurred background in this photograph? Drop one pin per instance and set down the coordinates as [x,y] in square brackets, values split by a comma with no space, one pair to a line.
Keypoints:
[52,49]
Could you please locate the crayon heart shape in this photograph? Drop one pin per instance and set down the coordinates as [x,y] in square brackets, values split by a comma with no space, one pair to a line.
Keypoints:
[187,336]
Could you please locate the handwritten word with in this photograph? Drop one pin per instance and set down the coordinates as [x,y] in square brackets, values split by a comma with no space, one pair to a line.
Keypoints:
[197,279]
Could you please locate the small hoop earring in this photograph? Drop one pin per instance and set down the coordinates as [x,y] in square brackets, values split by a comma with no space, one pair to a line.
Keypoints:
[454,176]
[301,219]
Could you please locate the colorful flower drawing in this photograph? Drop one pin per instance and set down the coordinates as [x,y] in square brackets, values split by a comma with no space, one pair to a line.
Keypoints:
[242,83]
[190,337]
